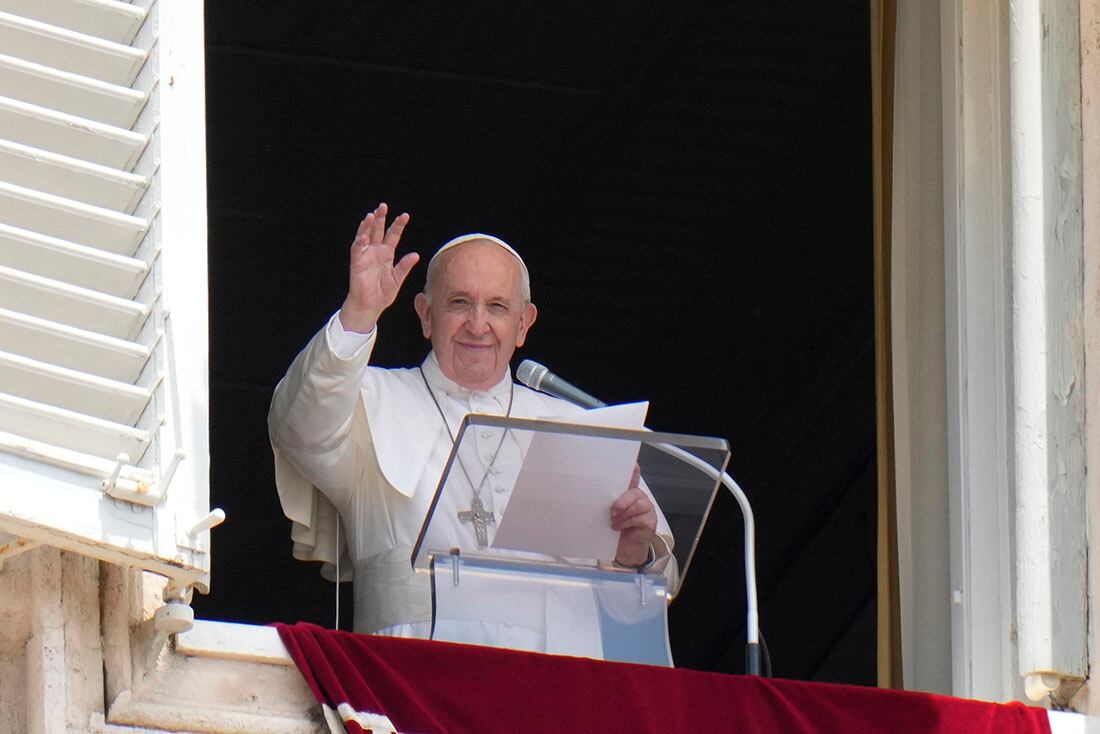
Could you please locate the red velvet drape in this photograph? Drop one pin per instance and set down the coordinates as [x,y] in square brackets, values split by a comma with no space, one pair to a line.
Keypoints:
[423,686]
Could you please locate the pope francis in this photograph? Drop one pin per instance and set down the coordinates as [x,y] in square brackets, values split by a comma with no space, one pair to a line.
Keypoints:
[359,449]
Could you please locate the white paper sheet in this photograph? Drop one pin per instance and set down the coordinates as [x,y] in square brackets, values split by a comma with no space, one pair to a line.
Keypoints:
[561,502]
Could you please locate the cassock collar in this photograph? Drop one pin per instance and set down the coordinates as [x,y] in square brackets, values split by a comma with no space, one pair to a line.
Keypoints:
[500,392]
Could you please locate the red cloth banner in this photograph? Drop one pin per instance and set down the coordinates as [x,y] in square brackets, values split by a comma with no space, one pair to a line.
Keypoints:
[382,684]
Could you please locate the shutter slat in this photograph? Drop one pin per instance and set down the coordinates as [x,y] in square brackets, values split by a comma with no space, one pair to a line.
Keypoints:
[69,177]
[47,129]
[107,19]
[40,451]
[68,388]
[65,91]
[69,429]
[58,301]
[69,50]
[68,346]
[82,266]
[70,220]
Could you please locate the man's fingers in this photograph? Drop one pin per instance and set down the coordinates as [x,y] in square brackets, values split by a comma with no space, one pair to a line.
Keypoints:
[393,234]
[635,510]
[360,252]
[638,506]
[622,502]
[630,496]
[364,226]
[404,266]
[632,493]
[370,224]
[640,521]
[377,223]
[373,228]
[374,244]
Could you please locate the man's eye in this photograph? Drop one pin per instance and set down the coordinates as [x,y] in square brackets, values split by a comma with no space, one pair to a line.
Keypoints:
[498,307]
[459,303]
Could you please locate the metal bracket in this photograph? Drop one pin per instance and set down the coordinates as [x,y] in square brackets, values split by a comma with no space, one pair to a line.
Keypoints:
[456,562]
[140,491]
[644,587]
[189,537]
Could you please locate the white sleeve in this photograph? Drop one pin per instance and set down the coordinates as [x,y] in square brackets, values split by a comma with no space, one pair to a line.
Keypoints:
[311,412]
[346,343]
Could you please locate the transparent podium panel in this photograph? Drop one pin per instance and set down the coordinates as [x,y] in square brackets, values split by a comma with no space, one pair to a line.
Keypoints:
[617,616]
[519,543]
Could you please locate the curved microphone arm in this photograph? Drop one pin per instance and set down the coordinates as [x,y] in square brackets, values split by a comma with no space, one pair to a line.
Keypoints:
[752,617]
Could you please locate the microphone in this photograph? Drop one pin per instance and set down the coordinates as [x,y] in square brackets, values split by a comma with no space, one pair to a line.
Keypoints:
[539,377]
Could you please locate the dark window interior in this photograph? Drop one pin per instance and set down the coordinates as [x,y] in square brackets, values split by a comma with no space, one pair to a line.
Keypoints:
[690,184]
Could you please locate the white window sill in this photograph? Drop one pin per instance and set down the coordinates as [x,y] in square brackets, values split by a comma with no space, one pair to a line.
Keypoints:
[1068,722]
[231,641]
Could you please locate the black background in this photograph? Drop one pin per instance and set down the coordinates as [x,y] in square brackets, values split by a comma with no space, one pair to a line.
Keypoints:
[690,186]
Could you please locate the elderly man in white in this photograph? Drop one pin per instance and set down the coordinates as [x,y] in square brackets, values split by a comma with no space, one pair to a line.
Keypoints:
[359,449]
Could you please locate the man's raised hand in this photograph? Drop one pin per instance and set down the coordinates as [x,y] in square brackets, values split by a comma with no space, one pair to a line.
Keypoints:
[373,277]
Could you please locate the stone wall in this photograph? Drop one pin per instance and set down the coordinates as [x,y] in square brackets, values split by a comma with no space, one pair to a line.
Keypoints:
[79,653]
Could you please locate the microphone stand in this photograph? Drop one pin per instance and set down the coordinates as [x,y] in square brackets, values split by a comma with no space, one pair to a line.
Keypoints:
[533,375]
[752,618]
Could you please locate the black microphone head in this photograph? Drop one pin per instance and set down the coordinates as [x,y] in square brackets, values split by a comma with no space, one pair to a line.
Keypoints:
[531,373]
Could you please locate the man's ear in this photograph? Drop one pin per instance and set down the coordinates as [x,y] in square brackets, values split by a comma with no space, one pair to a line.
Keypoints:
[530,313]
[424,311]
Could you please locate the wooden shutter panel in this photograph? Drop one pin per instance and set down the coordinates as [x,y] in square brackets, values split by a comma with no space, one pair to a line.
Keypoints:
[103,282]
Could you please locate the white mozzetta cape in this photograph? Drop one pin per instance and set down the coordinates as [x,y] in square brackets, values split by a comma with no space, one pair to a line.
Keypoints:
[371,442]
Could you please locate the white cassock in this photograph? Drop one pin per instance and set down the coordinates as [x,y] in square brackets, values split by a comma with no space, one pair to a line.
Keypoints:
[374,444]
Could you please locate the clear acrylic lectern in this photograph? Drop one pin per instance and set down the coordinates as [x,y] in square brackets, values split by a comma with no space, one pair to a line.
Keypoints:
[519,545]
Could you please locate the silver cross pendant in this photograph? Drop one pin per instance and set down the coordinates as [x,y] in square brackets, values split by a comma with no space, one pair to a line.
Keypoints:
[480,517]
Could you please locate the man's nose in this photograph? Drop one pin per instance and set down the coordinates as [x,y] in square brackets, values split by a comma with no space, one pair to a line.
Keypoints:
[477,320]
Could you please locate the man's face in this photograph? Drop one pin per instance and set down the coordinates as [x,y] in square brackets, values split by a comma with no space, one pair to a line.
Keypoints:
[477,316]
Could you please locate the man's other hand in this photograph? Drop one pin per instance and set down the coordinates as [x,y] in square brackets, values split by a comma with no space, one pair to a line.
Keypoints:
[635,517]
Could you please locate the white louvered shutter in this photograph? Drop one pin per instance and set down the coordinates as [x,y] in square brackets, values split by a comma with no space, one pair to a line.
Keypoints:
[103,337]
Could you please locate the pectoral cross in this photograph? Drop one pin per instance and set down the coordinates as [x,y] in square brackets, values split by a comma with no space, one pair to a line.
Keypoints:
[480,517]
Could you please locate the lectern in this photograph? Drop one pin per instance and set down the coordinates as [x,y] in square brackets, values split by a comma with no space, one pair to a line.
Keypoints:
[518,539]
